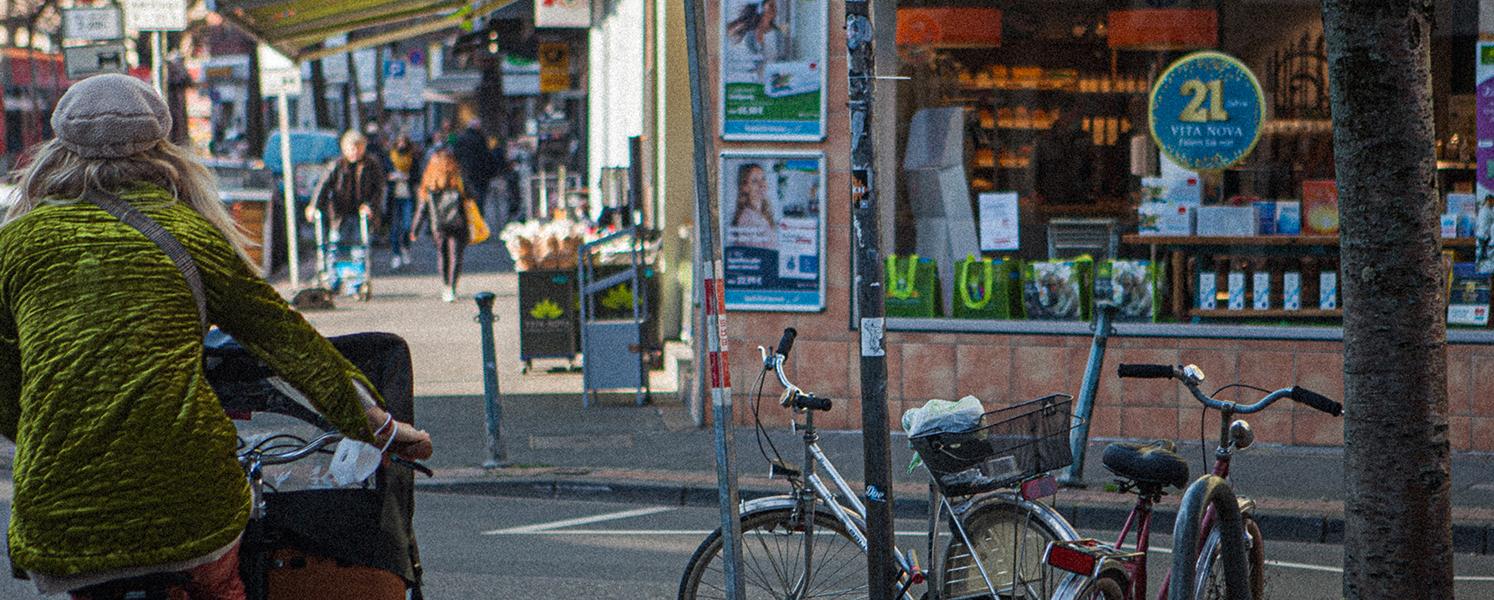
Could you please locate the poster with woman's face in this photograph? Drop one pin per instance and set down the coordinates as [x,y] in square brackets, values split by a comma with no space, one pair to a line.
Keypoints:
[772,69]
[772,230]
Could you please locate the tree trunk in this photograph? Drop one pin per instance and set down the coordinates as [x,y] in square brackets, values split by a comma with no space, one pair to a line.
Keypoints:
[1398,530]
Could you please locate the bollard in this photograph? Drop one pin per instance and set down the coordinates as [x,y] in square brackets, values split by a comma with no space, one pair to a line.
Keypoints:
[497,454]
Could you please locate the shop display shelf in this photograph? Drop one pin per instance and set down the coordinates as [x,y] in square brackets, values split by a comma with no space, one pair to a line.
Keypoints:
[1258,240]
[1273,313]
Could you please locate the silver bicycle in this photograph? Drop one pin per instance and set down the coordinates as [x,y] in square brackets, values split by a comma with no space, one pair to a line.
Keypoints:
[811,543]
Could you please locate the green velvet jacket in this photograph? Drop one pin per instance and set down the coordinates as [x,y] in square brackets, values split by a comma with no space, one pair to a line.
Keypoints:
[124,456]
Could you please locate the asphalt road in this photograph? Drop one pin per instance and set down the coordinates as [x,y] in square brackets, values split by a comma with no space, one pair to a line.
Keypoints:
[502,548]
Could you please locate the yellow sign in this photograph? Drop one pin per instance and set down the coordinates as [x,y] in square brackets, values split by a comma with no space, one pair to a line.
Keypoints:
[555,67]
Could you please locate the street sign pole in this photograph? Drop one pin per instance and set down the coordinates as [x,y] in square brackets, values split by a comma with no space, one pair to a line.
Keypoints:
[288,189]
[881,569]
[717,383]
[157,63]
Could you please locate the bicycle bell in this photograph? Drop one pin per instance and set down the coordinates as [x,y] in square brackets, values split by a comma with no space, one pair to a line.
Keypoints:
[1193,373]
[1241,435]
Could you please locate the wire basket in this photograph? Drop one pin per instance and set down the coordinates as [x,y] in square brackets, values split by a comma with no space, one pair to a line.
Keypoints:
[1015,443]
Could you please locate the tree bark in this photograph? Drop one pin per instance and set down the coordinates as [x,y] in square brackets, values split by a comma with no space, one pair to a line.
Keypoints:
[1398,529]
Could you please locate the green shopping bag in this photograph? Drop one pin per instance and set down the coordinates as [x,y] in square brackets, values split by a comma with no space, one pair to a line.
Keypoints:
[912,284]
[1058,290]
[1132,285]
[983,289]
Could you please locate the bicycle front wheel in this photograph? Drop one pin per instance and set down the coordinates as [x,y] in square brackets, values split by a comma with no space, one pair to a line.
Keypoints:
[1005,554]
[773,560]
[1210,583]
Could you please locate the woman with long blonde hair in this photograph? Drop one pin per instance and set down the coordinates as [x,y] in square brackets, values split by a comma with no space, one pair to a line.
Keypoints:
[125,461]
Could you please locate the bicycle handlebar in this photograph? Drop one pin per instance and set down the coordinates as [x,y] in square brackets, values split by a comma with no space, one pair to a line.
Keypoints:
[316,445]
[786,343]
[793,396]
[1186,375]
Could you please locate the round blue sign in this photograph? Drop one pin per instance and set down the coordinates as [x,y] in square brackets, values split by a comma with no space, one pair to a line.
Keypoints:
[1206,111]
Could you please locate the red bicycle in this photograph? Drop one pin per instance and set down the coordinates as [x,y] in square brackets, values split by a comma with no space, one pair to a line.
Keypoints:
[1101,571]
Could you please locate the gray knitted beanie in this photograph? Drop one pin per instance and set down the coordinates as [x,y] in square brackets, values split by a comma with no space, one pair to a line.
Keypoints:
[110,116]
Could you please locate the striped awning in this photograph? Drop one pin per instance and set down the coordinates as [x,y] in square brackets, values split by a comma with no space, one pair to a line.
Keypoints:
[298,27]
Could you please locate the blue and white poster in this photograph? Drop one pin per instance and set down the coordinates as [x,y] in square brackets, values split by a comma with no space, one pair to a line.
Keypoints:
[773,230]
[773,70]
[1206,111]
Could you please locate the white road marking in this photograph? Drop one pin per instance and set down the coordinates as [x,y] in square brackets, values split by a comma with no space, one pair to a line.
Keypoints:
[1328,569]
[543,527]
[643,532]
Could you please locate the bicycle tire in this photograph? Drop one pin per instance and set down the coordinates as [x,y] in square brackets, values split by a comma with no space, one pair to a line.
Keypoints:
[777,533]
[993,528]
[1210,583]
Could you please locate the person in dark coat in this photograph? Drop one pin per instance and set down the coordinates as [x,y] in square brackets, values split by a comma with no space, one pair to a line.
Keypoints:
[354,185]
[478,162]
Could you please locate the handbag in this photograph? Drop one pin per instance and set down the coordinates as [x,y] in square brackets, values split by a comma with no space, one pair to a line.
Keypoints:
[477,228]
[447,210]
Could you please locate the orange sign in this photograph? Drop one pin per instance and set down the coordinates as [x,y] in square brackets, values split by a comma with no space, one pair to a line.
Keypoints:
[555,67]
[949,27]
[1163,29]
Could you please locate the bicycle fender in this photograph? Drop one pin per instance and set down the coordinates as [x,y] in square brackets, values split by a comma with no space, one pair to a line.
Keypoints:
[789,502]
[1049,517]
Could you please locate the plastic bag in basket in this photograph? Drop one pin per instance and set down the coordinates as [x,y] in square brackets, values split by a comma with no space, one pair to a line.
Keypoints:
[941,416]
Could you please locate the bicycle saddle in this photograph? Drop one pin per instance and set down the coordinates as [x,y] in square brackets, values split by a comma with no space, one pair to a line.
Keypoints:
[1148,463]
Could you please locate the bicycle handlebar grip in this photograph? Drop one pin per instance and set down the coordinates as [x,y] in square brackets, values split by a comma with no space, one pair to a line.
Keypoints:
[812,402]
[786,343]
[1147,371]
[1317,401]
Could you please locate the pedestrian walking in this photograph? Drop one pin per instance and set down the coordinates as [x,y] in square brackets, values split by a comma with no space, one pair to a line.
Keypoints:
[479,163]
[125,460]
[442,197]
[354,186]
[405,159]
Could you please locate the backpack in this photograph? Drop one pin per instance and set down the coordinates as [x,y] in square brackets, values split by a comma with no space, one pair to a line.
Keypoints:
[446,209]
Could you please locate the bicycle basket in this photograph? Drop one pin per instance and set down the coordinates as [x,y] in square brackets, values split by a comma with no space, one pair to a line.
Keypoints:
[1016,443]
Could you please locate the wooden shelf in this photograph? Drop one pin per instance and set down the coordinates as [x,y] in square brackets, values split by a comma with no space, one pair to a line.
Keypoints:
[1274,313]
[1259,240]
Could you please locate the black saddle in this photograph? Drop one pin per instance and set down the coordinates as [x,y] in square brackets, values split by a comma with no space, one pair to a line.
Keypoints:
[1155,463]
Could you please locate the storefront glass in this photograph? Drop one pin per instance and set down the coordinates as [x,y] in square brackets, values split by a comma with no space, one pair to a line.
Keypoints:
[1030,187]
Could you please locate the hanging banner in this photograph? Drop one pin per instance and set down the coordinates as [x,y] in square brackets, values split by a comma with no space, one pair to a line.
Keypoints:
[1484,155]
[1206,111]
[554,67]
[773,230]
[772,70]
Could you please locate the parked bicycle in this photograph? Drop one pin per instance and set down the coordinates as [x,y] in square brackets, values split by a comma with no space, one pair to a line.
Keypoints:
[1114,572]
[811,543]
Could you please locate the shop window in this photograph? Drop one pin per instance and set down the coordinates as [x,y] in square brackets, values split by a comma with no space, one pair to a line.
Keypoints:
[1028,178]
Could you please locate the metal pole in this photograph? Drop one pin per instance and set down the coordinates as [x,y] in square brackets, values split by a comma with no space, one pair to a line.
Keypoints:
[157,61]
[881,570]
[288,189]
[717,382]
[1079,435]
[497,452]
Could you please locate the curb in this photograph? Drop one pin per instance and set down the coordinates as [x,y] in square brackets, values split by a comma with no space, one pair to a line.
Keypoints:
[1476,538]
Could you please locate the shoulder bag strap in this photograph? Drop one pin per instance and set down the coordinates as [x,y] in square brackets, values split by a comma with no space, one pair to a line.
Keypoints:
[153,230]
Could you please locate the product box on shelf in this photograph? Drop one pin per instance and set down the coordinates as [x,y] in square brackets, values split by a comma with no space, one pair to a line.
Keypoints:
[1288,217]
[1164,218]
[1320,206]
[1449,225]
[1469,302]
[1265,217]
[1237,290]
[1260,290]
[1291,290]
[1226,221]
[1208,290]
[1328,290]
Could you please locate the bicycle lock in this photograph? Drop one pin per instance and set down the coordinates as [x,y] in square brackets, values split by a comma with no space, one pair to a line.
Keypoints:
[1209,490]
[497,453]
[1079,434]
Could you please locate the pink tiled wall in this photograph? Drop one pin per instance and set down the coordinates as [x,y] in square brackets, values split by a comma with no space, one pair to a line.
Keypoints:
[1000,369]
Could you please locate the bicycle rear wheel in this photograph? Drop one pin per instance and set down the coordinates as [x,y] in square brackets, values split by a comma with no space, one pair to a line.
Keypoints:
[773,560]
[1009,542]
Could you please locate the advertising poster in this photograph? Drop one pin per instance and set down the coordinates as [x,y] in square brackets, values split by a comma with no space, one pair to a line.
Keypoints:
[773,230]
[999,226]
[772,70]
[1206,111]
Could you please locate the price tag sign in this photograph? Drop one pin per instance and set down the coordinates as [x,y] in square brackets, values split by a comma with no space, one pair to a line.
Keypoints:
[1206,111]
[92,24]
[155,15]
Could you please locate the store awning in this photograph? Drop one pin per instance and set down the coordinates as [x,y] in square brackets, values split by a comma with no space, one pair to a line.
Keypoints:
[297,27]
